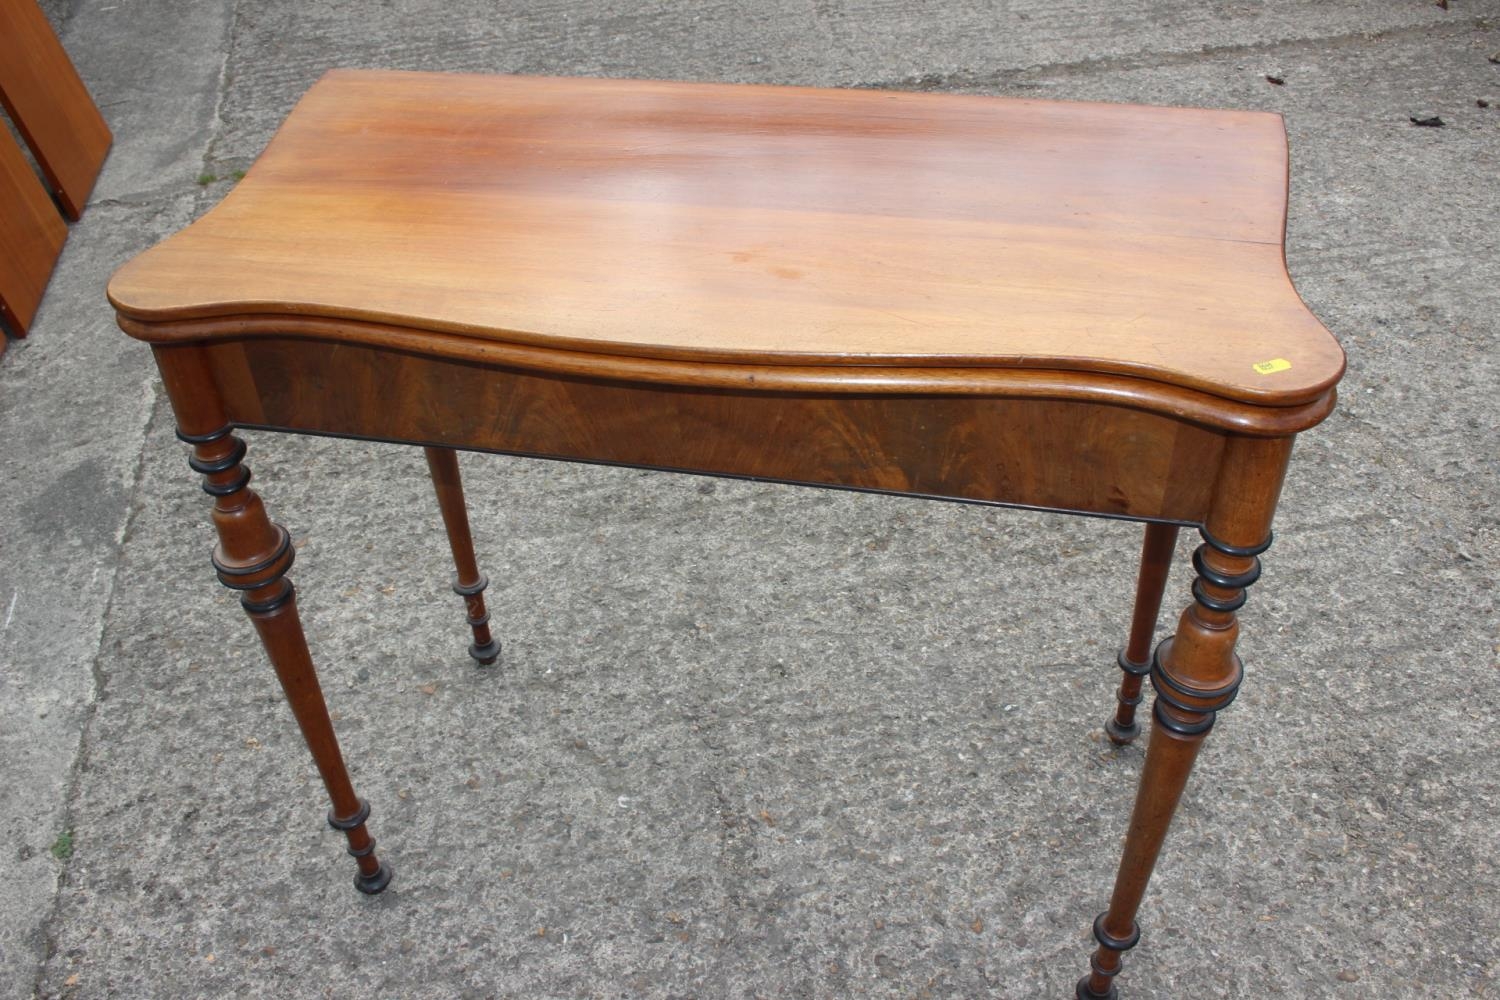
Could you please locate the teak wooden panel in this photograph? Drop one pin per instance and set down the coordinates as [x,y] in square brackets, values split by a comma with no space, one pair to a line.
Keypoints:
[1128,463]
[31,237]
[779,226]
[49,104]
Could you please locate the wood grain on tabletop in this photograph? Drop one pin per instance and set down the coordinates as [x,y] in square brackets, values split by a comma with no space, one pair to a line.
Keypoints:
[772,225]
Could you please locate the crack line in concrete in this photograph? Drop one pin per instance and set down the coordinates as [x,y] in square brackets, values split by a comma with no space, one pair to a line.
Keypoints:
[1148,59]
[96,694]
[49,924]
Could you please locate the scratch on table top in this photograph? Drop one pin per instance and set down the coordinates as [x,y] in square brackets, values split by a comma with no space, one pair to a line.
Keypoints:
[10,612]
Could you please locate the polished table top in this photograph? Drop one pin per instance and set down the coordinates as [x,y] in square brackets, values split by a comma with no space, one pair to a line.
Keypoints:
[770,226]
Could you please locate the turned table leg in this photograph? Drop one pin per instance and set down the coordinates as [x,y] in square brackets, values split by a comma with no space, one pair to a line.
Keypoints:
[253,556]
[470,583]
[1135,659]
[1195,674]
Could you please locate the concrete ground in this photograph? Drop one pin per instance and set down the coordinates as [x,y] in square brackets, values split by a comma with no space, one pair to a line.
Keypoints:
[748,740]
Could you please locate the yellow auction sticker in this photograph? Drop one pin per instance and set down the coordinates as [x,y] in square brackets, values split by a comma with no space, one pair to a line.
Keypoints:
[1273,366]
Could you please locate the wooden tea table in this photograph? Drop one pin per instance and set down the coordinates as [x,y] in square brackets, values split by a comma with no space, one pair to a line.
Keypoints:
[1075,307]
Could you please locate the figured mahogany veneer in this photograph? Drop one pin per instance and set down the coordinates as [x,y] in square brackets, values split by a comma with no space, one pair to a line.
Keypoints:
[1079,307]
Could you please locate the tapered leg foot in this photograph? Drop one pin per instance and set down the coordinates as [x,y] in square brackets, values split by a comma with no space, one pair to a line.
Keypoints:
[371,885]
[485,648]
[1100,984]
[487,654]
[374,875]
[1086,992]
[1135,659]
[470,584]
[1123,733]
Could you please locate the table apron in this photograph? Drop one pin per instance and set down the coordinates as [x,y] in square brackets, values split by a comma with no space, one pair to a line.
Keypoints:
[1068,455]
